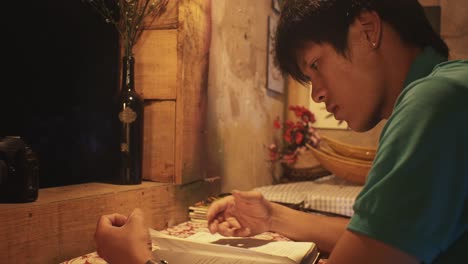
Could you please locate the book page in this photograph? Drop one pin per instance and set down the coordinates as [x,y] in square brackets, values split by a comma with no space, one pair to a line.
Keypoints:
[290,249]
[178,249]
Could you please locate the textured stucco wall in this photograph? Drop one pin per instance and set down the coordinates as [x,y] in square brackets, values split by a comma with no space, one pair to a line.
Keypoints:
[454,27]
[240,109]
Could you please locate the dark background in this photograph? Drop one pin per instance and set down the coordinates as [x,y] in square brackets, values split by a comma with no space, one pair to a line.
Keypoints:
[58,82]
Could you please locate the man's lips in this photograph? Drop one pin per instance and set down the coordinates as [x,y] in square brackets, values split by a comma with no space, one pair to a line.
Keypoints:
[331,108]
[334,109]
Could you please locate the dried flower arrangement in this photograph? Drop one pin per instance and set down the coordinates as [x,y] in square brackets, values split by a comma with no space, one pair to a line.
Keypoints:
[130,17]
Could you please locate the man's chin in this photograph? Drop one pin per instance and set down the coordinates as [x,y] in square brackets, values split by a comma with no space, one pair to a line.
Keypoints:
[361,127]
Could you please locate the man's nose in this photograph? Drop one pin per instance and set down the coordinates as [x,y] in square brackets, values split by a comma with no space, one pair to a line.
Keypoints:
[318,93]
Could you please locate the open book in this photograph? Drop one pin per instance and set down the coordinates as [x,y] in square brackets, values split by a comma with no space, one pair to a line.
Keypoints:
[206,248]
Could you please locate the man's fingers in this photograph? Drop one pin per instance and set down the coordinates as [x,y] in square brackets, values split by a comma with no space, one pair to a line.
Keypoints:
[107,222]
[136,222]
[136,216]
[233,223]
[226,229]
[243,232]
[112,220]
[213,226]
[218,207]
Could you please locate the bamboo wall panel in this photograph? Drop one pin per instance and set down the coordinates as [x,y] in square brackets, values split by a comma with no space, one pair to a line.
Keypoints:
[156,64]
[159,141]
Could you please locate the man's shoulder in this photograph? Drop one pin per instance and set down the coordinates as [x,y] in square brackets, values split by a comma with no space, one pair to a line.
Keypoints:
[452,65]
[447,84]
[441,96]
[455,70]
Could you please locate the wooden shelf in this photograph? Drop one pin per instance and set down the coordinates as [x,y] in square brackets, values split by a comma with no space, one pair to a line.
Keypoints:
[60,224]
[429,2]
[79,191]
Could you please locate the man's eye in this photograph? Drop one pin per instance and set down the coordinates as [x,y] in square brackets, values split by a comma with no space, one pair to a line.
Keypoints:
[314,65]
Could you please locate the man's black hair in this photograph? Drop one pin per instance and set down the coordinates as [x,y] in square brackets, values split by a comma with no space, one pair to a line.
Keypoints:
[328,21]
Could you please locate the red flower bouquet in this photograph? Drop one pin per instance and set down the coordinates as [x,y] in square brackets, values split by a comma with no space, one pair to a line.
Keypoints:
[296,135]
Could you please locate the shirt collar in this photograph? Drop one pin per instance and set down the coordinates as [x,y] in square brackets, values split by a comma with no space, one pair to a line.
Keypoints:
[423,65]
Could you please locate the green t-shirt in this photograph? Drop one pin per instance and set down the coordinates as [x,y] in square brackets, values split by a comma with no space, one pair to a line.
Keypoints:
[416,195]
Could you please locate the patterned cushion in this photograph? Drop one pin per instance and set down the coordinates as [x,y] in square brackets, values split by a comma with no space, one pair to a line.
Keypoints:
[329,194]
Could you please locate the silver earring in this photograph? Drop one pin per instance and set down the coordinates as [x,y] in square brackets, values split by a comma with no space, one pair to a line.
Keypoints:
[373,44]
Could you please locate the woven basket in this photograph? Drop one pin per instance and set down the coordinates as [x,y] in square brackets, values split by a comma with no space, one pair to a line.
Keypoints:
[306,168]
[350,169]
[350,151]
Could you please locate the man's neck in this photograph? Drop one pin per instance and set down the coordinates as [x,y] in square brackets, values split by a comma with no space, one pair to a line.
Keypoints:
[397,58]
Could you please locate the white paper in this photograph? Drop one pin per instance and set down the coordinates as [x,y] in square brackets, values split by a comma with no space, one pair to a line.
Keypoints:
[292,250]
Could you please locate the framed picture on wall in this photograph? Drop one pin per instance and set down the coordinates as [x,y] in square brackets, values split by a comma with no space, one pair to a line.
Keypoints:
[275,79]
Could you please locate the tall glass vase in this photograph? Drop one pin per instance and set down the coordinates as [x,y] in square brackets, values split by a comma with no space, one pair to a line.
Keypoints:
[129,111]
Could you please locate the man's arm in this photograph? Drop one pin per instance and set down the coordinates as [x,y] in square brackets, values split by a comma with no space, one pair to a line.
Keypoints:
[354,248]
[300,226]
[249,213]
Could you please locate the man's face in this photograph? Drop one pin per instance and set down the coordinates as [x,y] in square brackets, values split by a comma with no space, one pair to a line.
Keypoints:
[352,87]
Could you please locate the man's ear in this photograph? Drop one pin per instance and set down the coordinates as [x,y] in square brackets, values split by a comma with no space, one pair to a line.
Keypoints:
[371,27]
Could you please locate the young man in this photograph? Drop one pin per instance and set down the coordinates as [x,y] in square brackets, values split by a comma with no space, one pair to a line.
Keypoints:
[370,60]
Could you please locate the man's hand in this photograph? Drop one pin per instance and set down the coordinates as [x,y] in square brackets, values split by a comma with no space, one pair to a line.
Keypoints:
[121,239]
[241,214]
